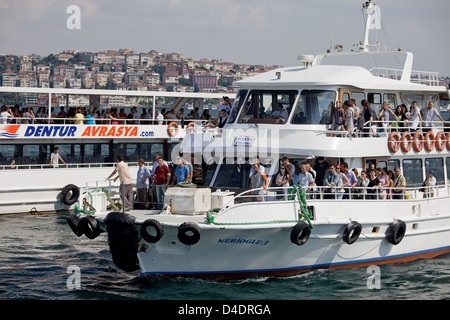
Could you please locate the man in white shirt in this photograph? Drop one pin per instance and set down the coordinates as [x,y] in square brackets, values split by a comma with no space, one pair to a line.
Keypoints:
[55,157]
[5,114]
[159,117]
[305,179]
[429,114]
[126,182]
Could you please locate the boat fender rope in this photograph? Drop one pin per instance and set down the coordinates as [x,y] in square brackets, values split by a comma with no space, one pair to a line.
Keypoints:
[70,194]
[158,228]
[396,231]
[300,233]
[188,233]
[352,232]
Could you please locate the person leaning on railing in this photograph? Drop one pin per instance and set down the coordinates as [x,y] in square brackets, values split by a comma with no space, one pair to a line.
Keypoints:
[399,185]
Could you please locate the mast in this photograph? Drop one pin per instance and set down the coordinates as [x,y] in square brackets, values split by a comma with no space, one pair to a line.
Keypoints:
[372,12]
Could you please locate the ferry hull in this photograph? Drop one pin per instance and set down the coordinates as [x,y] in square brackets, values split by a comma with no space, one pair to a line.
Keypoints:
[235,253]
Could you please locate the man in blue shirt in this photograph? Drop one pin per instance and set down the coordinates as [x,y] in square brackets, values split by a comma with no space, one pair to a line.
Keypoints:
[143,174]
[181,172]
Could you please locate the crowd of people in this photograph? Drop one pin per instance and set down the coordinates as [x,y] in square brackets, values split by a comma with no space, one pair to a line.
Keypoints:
[85,115]
[151,184]
[348,116]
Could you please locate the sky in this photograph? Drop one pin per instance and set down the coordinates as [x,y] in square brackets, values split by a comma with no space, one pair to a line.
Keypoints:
[258,32]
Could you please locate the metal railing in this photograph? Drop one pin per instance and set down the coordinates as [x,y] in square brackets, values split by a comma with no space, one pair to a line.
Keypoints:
[422,77]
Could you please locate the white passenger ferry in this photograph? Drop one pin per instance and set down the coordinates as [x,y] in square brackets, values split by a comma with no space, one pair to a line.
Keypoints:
[224,232]
[29,184]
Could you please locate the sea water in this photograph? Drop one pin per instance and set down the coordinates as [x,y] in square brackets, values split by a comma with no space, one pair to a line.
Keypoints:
[42,259]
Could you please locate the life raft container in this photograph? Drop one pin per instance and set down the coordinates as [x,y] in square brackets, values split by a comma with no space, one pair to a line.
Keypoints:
[396,231]
[188,233]
[172,129]
[441,141]
[156,225]
[300,233]
[70,194]
[352,232]
[394,142]
[429,141]
[123,240]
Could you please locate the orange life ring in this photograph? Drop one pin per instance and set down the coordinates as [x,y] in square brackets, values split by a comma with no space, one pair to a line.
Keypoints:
[418,137]
[209,124]
[429,141]
[190,125]
[170,131]
[394,141]
[441,141]
[407,141]
[448,141]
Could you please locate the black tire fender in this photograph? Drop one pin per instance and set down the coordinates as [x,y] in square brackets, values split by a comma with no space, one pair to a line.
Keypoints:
[156,225]
[188,233]
[90,227]
[352,232]
[396,231]
[300,233]
[70,194]
[74,223]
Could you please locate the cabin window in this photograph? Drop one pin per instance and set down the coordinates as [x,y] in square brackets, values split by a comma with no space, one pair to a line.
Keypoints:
[314,107]
[148,151]
[412,171]
[392,163]
[233,175]
[238,101]
[408,98]
[358,96]
[8,153]
[390,98]
[268,106]
[375,101]
[436,165]
[71,153]
[36,154]
[96,152]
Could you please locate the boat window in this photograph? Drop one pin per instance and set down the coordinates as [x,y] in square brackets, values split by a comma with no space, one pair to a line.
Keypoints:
[268,106]
[147,151]
[129,151]
[412,172]
[71,153]
[36,154]
[8,153]
[238,101]
[382,164]
[436,165]
[375,101]
[447,162]
[391,99]
[358,96]
[314,107]
[96,152]
[408,98]
[392,163]
[233,175]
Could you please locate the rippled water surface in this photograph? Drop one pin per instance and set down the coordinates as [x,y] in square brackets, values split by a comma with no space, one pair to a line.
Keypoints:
[36,252]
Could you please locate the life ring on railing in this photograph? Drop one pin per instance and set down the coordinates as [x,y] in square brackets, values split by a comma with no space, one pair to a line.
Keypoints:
[396,231]
[170,129]
[189,126]
[418,141]
[209,124]
[429,141]
[448,141]
[394,142]
[70,194]
[188,233]
[155,225]
[441,141]
[300,233]
[352,232]
[406,142]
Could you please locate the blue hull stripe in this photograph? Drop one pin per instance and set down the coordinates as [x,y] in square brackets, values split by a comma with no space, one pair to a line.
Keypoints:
[315,266]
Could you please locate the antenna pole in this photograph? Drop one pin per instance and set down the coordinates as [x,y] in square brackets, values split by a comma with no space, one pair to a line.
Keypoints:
[367,5]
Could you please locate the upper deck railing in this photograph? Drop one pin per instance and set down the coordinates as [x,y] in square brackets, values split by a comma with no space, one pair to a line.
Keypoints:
[420,77]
